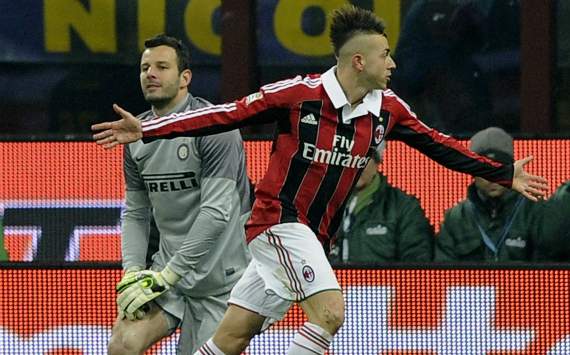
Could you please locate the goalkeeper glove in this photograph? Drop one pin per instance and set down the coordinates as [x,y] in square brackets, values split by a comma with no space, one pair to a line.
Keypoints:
[147,286]
[128,279]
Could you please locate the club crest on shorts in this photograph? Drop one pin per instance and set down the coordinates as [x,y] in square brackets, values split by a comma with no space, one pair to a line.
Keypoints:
[308,273]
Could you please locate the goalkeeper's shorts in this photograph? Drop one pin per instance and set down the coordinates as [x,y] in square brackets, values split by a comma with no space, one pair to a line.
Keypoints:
[201,319]
[288,265]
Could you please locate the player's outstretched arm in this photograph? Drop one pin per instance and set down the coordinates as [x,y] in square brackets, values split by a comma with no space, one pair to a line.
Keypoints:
[530,186]
[126,130]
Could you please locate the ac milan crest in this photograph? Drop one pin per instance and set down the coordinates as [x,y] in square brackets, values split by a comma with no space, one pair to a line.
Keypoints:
[378,134]
[308,273]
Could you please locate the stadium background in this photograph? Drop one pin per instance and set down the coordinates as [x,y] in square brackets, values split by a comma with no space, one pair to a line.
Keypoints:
[65,61]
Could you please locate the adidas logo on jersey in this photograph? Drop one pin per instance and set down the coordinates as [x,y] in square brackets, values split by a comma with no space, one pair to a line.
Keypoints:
[309,119]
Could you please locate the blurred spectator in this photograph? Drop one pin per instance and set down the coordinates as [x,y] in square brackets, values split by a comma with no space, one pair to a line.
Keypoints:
[493,223]
[3,252]
[558,224]
[382,223]
[451,55]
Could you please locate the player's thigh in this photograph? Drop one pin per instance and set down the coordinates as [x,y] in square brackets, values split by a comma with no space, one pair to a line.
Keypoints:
[292,263]
[254,300]
[142,333]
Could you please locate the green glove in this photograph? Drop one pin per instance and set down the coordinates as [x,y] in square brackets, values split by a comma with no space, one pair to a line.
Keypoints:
[147,286]
[128,279]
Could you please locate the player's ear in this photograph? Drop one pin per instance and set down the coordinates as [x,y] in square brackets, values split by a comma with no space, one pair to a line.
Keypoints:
[358,62]
[185,77]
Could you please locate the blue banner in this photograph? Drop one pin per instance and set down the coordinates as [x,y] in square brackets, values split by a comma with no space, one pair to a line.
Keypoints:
[289,32]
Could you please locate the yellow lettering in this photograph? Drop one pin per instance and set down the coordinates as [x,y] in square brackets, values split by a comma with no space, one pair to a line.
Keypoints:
[95,26]
[151,19]
[288,16]
[198,25]
[389,11]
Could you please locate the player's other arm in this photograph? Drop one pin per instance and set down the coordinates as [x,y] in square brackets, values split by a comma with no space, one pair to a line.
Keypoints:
[450,153]
[135,226]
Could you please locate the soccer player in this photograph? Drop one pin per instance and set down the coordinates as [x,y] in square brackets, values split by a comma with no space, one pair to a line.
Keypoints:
[329,126]
[198,192]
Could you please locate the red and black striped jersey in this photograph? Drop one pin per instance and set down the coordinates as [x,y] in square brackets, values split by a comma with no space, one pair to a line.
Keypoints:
[321,146]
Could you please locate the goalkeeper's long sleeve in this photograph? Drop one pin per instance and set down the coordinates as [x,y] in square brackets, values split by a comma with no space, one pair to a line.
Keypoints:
[135,226]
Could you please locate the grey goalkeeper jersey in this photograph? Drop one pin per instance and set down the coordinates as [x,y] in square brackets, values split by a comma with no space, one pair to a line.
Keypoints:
[198,191]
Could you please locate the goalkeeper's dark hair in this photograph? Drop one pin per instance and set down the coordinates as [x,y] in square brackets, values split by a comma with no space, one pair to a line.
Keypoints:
[182,50]
[349,21]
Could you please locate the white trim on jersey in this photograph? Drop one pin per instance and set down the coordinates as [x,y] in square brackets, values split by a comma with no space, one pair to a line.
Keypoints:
[297,79]
[178,114]
[155,124]
[308,83]
[281,82]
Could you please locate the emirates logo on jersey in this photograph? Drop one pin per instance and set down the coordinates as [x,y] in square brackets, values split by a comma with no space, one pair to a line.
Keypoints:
[308,273]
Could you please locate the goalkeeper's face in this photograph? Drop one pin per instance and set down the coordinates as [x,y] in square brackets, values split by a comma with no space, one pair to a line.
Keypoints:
[161,81]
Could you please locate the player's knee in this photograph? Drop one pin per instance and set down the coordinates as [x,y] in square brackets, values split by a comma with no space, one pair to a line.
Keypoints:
[125,343]
[330,317]
[334,318]
[241,343]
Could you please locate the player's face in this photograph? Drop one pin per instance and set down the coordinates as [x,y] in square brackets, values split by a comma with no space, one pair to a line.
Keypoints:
[159,76]
[378,63]
[488,188]
[367,175]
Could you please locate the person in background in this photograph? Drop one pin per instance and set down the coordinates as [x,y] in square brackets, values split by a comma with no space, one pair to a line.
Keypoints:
[382,223]
[458,60]
[557,223]
[493,223]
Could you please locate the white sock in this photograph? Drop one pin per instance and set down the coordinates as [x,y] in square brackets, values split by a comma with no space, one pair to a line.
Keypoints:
[310,339]
[209,349]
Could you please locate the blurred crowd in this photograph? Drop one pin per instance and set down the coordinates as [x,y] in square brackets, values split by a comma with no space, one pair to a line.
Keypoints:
[382,223]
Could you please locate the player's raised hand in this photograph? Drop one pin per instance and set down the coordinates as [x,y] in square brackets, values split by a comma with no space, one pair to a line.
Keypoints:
[126,130]
[530,186]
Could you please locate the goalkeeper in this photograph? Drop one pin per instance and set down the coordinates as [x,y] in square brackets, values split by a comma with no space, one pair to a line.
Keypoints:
[198,191]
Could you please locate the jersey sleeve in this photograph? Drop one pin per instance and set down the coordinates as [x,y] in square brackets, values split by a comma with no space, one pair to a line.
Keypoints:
[135,226]
[259,107]
[444,149]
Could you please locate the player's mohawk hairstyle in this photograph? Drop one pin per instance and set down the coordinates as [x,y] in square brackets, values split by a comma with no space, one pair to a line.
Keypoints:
[349,21]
